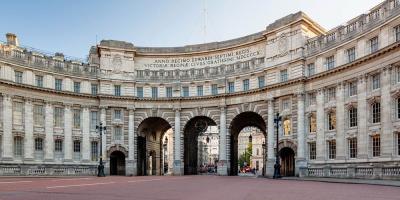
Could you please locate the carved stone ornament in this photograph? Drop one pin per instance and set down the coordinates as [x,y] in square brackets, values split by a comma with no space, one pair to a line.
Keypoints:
[282,44]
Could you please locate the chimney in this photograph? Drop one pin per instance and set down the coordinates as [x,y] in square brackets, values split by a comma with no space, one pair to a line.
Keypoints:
[12,39]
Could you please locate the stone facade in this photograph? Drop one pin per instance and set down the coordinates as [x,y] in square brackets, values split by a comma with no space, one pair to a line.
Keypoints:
[336,91]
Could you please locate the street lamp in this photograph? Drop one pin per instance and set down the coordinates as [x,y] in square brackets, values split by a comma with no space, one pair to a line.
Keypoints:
[263,169]
[100,168]
[277,166]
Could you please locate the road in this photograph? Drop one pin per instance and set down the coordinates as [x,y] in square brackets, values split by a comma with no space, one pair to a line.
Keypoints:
[186,187]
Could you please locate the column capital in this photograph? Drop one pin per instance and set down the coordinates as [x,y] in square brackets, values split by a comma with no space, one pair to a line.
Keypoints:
[7,97]
[177,109]
[222,108]
[67,105]
[131,108]
[103,107]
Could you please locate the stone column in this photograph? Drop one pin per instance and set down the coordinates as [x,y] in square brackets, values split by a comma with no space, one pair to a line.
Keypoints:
[362,117]
[7,141]
[49,128]
[131,166]
[67,133]
[177,145]
[269,171]
[28,139]
[86,147]
[222,163]
[387,128]
[301,146]
[320,144]
[340,125]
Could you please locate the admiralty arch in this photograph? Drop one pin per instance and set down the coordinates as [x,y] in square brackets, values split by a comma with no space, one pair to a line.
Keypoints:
[337,93]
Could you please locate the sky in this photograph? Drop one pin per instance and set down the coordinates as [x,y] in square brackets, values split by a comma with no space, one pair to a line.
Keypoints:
[72,26]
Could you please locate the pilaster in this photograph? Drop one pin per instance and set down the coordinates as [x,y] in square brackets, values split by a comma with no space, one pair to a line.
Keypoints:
[222,169]
[177,146]
[131,165]
[320,126]
[28,139]
[49,128]
[67,133]
[340,125]
[7,128]
[85,134]
[271,139]
[301,158]
[387,128]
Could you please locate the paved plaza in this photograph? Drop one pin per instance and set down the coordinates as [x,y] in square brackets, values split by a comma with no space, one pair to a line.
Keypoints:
[187,187]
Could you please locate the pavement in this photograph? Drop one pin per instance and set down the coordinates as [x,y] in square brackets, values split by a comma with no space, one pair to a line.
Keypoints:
[395,183]
[186,188]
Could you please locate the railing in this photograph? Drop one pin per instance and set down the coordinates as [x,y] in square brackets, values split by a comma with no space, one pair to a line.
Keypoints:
[48,170]
[392,172]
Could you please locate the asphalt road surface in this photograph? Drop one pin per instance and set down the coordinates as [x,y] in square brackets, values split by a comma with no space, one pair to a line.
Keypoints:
[186,188]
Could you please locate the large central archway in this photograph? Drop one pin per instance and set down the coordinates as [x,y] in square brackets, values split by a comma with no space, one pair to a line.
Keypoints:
[199,133]
[150,146]
[242,120]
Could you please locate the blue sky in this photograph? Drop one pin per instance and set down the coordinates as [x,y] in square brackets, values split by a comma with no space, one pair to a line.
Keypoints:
[71,26]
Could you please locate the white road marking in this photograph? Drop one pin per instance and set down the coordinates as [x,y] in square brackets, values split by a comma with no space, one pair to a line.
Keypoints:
[71,179]
[79,185]
[16,182]
[143,180]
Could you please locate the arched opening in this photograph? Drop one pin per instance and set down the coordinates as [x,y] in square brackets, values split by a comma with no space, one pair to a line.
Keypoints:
[251,144]
[117,163]
[239,123]
[287,161]
[167,152]
[150,145]
[201,146]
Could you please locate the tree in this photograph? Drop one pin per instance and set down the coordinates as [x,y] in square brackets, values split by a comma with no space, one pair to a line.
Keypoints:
[246,155]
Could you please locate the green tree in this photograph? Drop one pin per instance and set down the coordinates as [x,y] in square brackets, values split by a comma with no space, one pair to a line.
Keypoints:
[246,155]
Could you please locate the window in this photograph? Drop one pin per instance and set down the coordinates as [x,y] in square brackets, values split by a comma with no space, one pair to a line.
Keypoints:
[331,121]
[18,113]
[376,81]
[231,87]
[331,94]
[58,145]
[77,87]
[373,42]
[117,133]
[117,115]
[284,75]
[330,62]
[200,90]
[117,90]
[169,91]
[246,84]
[185,91]
[58,116]
[352,142]
[312,98]
[94,89]
[261,81]
[38,144]
[310,69]
[77,146]
[95,150]
[38,115]
[398,144]
[312,150]
[286,104]
[154,92]
[352,88]
[312,124]
[352,117]
[351,54]
[397,33]
[376,112]
[77,118]
[18,146]
[39,81]
[139,92]
[376,145]
[18,76]
[58,84]
[332,149]
[93,120]
[214,89]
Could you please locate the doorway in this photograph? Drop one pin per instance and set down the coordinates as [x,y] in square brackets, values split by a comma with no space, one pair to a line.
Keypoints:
[117,163]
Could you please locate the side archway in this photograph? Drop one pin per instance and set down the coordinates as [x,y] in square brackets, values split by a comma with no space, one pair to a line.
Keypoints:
[149,145]
[117,163]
